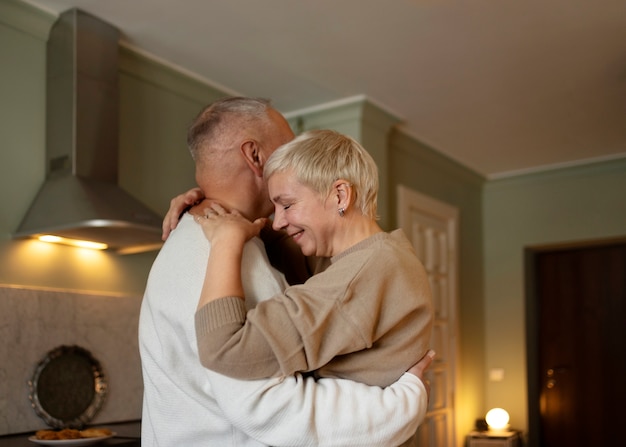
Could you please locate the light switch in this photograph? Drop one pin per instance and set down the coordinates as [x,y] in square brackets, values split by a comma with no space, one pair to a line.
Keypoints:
[496,374]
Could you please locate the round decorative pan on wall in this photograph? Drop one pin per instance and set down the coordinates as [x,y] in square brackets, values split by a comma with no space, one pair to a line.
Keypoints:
[68,387]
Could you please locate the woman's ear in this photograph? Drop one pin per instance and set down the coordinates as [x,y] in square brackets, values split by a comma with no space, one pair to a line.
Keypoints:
[342,190]
[251,153]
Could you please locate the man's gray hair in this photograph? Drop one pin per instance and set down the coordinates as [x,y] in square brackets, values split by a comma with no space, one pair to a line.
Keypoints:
[209,124]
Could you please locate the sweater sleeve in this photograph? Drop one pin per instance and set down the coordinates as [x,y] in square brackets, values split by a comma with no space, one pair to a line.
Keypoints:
[279,337]
[229,344]
[334,313]
[296,411]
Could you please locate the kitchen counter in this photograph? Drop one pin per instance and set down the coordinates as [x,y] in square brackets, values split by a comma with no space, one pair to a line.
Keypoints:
[127,434]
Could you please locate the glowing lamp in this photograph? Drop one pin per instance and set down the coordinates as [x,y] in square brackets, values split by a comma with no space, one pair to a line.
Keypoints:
[73,242]
[497,419]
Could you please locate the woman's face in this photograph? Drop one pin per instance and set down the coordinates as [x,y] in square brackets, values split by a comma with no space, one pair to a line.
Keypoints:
[303,214]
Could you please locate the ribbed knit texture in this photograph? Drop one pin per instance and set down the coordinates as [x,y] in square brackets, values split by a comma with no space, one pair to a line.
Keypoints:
[232,309]
[365,318]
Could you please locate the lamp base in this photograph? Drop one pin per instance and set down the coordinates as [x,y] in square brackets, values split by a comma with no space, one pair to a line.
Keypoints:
[491,438]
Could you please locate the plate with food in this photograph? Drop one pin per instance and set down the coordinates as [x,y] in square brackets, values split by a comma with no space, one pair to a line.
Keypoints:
[71,437]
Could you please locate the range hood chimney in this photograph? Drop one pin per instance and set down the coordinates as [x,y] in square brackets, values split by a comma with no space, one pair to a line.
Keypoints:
[80,198]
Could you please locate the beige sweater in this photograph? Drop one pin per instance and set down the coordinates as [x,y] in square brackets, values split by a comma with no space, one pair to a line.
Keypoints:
[367,317]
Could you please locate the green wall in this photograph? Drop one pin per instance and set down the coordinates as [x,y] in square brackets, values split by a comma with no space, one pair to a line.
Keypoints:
[156,106]
[498,218]
[565,205]
[22,110]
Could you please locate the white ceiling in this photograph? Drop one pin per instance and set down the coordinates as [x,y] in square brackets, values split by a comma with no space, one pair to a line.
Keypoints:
[501,86]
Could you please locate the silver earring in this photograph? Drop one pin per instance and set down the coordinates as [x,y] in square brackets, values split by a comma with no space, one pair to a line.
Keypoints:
[342,212]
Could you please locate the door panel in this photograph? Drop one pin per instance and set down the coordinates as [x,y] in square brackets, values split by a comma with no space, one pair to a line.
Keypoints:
[581,350]
[432,227]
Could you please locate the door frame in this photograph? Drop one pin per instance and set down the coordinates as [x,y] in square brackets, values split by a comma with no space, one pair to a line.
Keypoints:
[533,374]
[410,200]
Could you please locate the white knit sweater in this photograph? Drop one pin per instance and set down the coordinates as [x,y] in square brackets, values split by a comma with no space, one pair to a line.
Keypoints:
[188,405]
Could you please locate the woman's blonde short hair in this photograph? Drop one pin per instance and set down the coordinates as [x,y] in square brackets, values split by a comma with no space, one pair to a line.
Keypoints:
[319,157]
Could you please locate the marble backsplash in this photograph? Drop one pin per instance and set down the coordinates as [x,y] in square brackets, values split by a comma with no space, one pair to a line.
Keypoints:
[35,321]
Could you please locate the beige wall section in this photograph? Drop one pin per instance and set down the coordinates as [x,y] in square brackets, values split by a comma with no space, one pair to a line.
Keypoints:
[35,321]
[566,205]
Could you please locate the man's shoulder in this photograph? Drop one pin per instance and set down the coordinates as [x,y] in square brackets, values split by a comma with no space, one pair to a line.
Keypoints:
[186,246]
[187,230]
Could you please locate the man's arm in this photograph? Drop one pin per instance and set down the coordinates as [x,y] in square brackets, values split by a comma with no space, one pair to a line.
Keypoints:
[297,411]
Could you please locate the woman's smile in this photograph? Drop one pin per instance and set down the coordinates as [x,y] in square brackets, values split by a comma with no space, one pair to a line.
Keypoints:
[296,236]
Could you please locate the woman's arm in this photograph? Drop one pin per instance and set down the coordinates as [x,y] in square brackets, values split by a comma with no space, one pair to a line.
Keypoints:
[333,314]
[227,232]
[279,336]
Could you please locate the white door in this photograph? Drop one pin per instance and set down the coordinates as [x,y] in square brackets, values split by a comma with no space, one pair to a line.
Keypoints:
[432,227]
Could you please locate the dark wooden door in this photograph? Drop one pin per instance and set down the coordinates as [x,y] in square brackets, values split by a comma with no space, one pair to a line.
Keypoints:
[578,391]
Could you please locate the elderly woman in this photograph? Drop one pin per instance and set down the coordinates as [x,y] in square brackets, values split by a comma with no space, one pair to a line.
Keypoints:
[366,317]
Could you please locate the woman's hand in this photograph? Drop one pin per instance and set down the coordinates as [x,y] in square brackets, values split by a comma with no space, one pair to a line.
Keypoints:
[178,205]
[227,231]
[222,226]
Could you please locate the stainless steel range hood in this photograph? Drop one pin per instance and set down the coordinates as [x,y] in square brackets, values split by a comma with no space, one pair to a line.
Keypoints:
[80,198]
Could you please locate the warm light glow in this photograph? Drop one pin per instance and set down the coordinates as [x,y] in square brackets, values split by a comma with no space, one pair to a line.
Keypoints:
[50,238]
[497,418]
[138,249]
[73,242]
